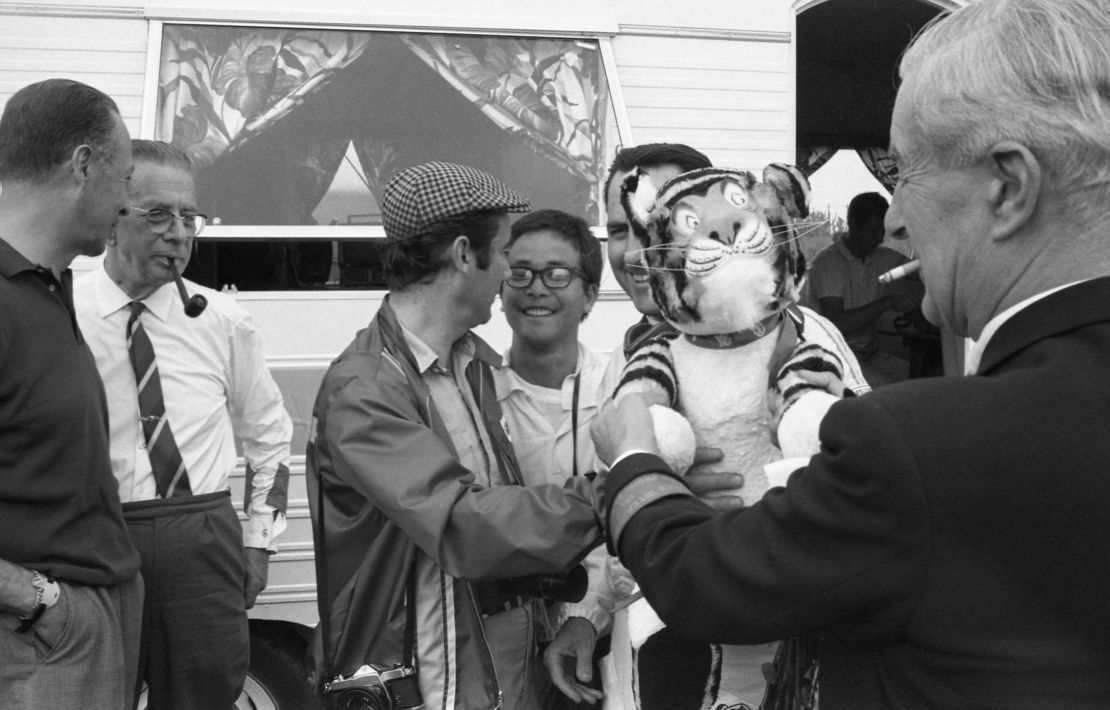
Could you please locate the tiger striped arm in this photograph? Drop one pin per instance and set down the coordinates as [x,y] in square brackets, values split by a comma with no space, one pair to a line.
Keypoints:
[650,370]
[810,368]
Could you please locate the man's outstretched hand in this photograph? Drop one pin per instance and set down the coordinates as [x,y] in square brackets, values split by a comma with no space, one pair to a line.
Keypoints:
[623,426]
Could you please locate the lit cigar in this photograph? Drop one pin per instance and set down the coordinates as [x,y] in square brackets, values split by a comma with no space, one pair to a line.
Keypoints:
[910,267]
[195,304]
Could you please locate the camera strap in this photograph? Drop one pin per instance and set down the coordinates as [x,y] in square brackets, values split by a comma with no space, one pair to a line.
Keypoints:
[574,426]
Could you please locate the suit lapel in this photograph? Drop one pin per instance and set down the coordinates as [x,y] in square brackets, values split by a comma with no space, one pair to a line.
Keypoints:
[1070,308]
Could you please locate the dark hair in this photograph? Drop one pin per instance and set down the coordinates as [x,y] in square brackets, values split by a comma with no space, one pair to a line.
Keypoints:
[652,155]
[419,258]
[161,153]
[574,231]
[44,122]
[864,206]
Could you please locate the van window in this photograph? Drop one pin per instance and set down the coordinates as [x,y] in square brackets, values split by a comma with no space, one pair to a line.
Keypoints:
[294,130]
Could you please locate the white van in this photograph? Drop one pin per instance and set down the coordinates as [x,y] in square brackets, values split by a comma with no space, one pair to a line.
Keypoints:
[298,112]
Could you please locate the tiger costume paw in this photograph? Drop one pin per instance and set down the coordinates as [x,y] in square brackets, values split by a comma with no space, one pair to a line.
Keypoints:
[805,387]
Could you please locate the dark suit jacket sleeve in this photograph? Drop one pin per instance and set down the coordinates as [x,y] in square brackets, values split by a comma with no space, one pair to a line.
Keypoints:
[842,548]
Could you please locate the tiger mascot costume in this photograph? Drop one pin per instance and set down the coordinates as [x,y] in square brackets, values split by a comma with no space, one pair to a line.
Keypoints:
[726,271]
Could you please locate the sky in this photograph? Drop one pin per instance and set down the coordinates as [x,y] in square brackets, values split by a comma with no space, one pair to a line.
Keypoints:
[836,182]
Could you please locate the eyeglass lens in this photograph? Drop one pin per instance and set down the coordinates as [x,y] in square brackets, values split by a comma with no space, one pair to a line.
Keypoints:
[552,277]
[161,221]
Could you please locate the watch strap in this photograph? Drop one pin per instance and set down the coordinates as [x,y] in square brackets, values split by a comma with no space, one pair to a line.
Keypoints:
[47,593]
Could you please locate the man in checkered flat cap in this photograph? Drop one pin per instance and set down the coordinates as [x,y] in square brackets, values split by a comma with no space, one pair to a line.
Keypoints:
[421,507]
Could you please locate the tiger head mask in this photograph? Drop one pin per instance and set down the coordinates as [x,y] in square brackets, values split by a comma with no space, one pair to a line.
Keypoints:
[721,247]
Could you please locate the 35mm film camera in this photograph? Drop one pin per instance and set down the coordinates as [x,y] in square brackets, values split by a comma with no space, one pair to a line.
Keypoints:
[369,688]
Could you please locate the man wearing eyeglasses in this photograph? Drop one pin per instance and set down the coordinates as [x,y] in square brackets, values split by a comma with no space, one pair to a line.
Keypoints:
[180,390]
[550,391]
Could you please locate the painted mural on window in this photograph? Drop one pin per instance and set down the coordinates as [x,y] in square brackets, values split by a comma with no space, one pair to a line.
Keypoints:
[303,127]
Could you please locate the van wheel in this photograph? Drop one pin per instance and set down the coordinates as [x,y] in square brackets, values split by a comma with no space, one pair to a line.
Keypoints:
[276,677]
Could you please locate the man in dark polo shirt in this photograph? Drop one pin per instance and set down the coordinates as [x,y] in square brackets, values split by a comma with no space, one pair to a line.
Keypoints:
[70,594]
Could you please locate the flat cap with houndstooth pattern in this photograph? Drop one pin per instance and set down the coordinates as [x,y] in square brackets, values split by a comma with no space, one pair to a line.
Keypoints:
[420,196]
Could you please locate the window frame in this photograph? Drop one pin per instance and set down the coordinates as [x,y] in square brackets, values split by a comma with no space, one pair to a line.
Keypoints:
[263,232]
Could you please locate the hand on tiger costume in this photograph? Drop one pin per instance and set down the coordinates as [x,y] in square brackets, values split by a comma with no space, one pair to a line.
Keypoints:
[807,384]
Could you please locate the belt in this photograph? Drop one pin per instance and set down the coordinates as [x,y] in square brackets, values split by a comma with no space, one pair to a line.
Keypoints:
[177,505]
[491,600]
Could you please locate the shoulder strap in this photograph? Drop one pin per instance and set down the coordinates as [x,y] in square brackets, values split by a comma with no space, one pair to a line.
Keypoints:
[480,377]
[792,326]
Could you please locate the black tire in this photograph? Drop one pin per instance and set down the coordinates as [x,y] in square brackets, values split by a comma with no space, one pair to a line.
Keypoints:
[276,677]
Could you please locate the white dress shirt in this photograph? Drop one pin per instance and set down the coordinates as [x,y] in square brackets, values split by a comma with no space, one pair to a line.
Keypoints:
[216,388]
[544,446]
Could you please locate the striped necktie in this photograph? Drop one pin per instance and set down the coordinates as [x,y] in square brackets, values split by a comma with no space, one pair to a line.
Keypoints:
[170,477]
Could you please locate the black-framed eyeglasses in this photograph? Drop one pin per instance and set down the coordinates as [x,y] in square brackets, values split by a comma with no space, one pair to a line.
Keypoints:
[160,221]
[552,276]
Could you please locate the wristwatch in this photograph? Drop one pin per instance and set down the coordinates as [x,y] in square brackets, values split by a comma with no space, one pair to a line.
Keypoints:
[47,593]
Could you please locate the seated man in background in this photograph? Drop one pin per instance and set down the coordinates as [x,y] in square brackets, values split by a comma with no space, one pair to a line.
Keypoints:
[550,391]
[843,285]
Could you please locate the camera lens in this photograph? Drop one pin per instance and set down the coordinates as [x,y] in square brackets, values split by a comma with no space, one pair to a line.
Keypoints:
[363,699]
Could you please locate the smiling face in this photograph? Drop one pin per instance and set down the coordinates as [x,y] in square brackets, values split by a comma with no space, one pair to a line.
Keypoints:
[623,247]
[138,257]
[541,316]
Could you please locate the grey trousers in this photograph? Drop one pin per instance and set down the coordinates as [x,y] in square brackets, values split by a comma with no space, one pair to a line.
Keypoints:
[195,647]
[82,653]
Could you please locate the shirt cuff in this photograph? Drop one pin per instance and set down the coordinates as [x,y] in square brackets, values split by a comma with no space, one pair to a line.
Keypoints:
[591,612]
[262,528]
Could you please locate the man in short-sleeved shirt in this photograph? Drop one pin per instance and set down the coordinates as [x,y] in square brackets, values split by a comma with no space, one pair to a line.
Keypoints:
[843,285]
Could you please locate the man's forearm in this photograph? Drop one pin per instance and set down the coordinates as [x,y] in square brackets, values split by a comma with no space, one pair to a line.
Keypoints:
[17,595]
[850,320]
[636,480]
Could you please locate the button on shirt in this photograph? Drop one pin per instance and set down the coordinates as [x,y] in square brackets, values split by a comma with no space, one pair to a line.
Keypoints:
[216,388]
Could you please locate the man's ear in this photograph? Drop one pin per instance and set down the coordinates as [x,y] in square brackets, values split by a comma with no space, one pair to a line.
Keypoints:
[462,256]
[1015,187]
[80,162]
[591,296]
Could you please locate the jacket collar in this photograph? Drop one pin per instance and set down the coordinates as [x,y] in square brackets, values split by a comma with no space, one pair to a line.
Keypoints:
[1069,308]
[393,335]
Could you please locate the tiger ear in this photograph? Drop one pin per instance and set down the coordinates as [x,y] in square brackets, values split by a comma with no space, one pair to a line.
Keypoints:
[791,186]
[638,198]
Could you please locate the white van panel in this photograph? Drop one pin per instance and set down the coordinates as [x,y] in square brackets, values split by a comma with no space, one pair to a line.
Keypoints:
[732,99]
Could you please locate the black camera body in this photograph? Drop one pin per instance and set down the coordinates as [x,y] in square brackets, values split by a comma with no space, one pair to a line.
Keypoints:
[369,688]
[567,587]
